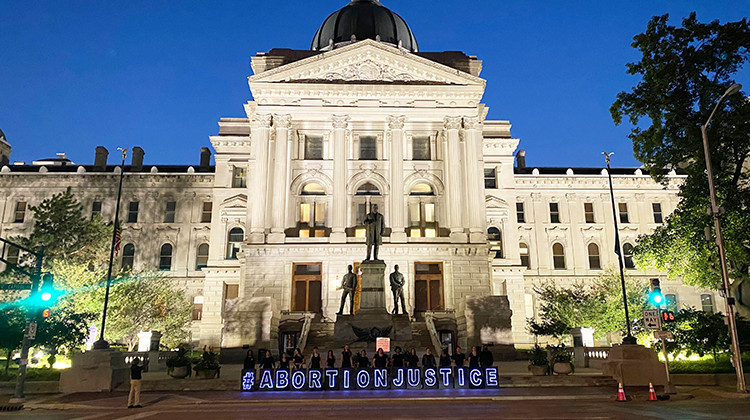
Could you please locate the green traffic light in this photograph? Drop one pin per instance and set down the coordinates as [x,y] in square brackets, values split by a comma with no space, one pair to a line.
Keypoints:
[46,296]
[657,299]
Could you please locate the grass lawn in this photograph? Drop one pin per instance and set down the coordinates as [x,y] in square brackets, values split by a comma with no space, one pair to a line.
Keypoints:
[707,365]
[32,374]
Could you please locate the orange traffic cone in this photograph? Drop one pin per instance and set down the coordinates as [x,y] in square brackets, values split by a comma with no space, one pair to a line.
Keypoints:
[651,392]
[621,394]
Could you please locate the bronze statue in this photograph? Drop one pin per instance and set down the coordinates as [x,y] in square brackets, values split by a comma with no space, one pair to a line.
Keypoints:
[397,287]
[375,231]
[349,285]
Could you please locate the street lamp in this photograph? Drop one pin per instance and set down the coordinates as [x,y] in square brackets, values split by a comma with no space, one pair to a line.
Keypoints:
[628,339]
[101,343]
[714,211]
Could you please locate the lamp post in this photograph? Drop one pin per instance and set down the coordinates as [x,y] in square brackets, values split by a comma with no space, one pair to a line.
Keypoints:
[714,211]
[101,343]
[628,339]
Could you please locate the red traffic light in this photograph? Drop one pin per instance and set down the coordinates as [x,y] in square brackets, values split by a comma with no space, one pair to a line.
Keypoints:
[45,313]
[667,316]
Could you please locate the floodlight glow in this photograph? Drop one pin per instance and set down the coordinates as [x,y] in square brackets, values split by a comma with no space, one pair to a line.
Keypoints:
[46,296]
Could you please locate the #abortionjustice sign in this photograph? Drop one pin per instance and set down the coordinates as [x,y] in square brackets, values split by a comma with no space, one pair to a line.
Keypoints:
[369,379]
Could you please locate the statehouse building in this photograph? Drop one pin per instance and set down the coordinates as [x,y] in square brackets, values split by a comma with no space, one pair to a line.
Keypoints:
[261,239]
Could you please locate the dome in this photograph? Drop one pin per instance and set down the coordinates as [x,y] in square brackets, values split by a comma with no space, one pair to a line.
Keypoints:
[363,19]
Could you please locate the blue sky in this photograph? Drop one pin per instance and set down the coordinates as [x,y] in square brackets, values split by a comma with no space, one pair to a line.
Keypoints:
[77,74]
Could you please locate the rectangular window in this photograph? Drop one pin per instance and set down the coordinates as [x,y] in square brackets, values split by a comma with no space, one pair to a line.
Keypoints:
[206,212]
[656,207]
[490,178]
[420,148]
[170,211]
[96,209]
[520,214]
[20,212]
[588,210]
[307,282]
[231,291]
[368,148]
[428,287]
[313,148]
[623,210]
[239,178]
[707,303]
[422,222]
[554,213]
[132,212]
[197,308]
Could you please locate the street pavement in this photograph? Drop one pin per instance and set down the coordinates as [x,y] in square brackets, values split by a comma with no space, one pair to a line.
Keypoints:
[517,403]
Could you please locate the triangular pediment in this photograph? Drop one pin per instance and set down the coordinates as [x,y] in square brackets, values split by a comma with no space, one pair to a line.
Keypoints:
[367,61]
[237,201]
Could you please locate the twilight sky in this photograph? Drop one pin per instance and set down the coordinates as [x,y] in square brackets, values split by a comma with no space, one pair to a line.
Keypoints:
[160,74]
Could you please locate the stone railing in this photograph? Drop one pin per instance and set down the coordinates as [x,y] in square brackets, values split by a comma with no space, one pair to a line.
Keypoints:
[593,357]
[429,321]
[157,360]
[305,330]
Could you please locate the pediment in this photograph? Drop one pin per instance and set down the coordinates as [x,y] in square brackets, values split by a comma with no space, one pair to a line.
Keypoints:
[239,200]
[367,61]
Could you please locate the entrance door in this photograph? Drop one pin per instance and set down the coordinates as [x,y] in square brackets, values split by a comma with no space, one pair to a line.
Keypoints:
[306,287]
[428,286]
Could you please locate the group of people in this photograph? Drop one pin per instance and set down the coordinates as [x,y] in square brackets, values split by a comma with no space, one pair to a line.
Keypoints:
[475,358]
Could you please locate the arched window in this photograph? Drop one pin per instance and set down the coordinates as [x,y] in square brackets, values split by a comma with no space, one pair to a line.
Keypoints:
[366,195]
[128,256]
[627,251]
[495,239]
[422,219]
[312,211]
[525,257]
[313,188]
[558,256]
[201,258]
[594,262]
[165,257]
[234,240]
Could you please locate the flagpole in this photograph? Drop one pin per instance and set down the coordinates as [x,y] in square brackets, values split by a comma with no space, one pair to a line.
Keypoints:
[102,343]
[628,339]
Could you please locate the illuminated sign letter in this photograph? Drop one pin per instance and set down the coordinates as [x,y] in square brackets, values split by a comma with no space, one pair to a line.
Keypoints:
[491,373]
[430,378]
[332,374]
[298,379]
[398,378]
[248,380]
[460,378]
[282,379]
[363,379]
[414,378]
[266,380]
[381,378]
[314,379]
[445,375]
[475,378]
[347,373]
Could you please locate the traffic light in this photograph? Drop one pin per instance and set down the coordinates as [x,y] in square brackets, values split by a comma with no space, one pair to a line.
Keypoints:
[667,316]
[48,288]
[655,297]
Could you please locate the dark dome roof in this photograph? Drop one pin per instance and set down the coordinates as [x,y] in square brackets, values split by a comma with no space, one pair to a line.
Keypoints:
[365,19]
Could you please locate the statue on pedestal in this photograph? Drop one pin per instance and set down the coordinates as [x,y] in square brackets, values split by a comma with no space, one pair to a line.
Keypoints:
[397,287]
[375,230]
[349,285]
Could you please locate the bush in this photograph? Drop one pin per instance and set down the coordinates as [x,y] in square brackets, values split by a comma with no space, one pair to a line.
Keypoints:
[208,361]
[538,356]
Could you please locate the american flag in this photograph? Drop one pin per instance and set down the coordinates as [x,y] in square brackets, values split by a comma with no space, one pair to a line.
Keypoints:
[117,239]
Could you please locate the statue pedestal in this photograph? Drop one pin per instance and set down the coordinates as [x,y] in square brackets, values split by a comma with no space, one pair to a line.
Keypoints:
[634,365]
[372,315]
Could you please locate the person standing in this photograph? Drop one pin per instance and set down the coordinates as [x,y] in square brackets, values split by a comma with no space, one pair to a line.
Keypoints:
[349,285]
[380,360]
[363,361]
[486,359]
[458,357]
[249,363]
[474,357]
[134,397]
[428,360]
[315,359]
[412,360]
[299,359]
[445,359]
[346,358]
[398,358]
[268,362]
[330,360]
[284,361]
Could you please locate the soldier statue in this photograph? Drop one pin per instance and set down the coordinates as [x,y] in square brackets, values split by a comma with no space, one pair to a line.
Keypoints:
[375,230]
[349,285]
[397,287]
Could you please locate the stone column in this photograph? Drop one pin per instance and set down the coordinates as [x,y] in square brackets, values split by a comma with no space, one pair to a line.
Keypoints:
[280,188]
[258,185]
[340,124]
[396,128]
[474,179]
[454,179]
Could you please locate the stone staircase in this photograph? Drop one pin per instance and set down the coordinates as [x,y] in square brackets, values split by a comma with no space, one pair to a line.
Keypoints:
[321,336]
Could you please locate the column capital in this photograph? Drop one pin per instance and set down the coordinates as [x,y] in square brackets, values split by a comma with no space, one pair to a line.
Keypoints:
[473,123]
[340,121]
[261,120]
[282,120]
[395,122]
[452,123]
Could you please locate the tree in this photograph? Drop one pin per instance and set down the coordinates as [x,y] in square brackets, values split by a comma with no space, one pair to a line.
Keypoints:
[699,332]
[683,72]
[596,304]
[12,324]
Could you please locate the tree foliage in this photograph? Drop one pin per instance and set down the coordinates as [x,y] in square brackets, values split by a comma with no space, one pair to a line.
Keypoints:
[683,72]
[596,304]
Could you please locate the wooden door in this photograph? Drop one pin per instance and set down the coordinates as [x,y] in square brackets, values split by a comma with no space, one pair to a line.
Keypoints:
[307,283]
[428,286]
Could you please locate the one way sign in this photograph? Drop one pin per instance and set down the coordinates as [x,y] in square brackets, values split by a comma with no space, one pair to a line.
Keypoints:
[651,319]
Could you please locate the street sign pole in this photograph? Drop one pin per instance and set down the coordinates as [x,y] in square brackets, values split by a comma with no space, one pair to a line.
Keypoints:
[668,387]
